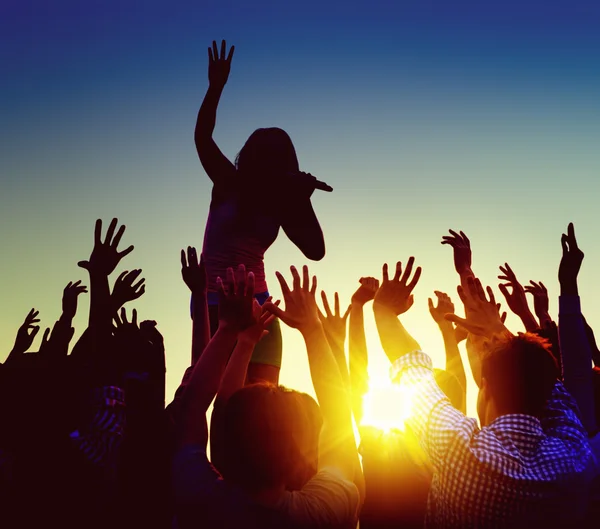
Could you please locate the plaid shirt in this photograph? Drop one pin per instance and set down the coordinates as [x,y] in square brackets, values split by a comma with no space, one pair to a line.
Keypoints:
[101,439]
[519,471]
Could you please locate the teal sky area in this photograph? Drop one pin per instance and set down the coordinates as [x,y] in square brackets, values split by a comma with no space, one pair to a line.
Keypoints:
[422,118]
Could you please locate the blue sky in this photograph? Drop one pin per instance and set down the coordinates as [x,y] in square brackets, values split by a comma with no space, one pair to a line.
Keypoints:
[422,116]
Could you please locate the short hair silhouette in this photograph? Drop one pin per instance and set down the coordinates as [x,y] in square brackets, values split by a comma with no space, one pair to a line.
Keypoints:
[520,372]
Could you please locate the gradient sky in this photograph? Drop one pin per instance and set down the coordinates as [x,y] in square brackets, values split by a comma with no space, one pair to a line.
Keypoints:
[422,116]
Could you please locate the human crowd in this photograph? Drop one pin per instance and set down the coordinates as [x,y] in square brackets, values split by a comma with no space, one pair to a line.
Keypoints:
[87,440]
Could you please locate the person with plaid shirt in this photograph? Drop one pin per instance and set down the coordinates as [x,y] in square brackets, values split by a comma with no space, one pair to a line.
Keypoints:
[528,465]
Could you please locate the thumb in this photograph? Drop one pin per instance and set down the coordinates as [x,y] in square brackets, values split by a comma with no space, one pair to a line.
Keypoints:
[84,264]
[458,321]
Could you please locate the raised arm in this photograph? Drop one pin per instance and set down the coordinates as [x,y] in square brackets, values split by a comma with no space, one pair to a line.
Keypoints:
[454,364]
[541,302]
[337,444]
[218,168]
[334,325]
[392,299]
[357,344]
[574,344]
[235,315]
[237,366]
[516,299]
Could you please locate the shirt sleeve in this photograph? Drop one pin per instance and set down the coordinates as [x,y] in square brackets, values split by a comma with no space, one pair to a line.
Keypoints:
[576,358]
[433,420]
[327,501]
[560,417]
[100,440]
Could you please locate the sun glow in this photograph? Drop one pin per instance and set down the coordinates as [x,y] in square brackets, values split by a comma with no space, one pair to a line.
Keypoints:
[387,406]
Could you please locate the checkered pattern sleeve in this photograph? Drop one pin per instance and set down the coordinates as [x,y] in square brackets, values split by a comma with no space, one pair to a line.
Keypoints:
[100,440]
[561,416]
[435,422]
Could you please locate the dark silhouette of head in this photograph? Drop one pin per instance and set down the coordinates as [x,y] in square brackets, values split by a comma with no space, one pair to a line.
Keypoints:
[518,374]
[269,438]
[267,155]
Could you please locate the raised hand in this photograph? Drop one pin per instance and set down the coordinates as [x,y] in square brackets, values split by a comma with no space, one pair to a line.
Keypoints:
[193,271]
[396,294]
[301,311]
[262,318]
[462,251]
[541,302]
[236,299]
[219,65]
[26,334]
[69,299]
[105,257]
[570,264]
[483,317]
[366,291]
[444,306]
[516,300]
[334,324]
[55,343]
[124,289]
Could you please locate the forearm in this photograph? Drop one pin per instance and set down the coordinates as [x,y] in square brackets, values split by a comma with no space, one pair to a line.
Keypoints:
[326,378]
[204,383]
[576,358]
[340,357]
[454,363]
[529,321]
[301,225]
[200,325]
[337,443]
[100,303]
[395,339]
[235,373]
[207,115]
[474,353]
[358,358]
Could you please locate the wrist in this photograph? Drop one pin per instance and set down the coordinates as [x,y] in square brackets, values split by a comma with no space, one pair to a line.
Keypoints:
[357,304]
[529,321]
[569,289]
[311,328]
[226,327]
[447,327]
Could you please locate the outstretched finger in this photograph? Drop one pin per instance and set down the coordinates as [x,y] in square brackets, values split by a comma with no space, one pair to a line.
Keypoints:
[285,289]
[111,231]
[571,235]
[398,272]
[336,304]
[415,278]
[326,304]
[98,232]
[385,272]
[305,278]
[125,252]
[117,239]
[210,55]
[223,49]
[347,313]
[230,56]
[295,278]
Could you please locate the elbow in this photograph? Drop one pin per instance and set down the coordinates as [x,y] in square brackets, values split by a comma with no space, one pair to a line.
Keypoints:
[314,253]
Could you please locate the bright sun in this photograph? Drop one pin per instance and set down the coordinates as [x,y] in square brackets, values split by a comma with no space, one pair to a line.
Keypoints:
[386,406]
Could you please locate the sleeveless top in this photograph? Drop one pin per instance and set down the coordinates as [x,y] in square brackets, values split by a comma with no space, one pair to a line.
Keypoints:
[235,235]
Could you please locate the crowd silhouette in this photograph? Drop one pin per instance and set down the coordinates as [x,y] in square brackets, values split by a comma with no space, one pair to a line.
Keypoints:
[87,439]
